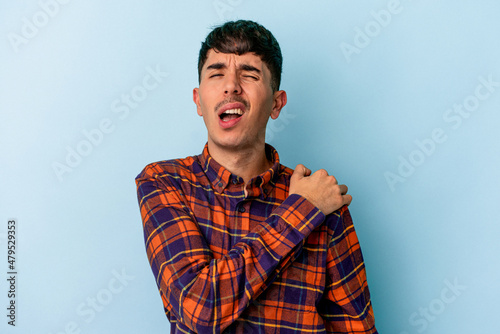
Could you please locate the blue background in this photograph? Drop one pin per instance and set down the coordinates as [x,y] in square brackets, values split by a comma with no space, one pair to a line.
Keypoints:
[365,97]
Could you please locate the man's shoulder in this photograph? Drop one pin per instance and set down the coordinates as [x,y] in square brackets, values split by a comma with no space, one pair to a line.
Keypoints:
[285,171]
[173,168]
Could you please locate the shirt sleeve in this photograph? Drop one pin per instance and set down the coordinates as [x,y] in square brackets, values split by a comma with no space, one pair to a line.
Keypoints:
[346,305]
[204,293]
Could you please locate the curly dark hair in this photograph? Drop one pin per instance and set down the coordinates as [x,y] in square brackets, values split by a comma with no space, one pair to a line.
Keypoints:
[244,36]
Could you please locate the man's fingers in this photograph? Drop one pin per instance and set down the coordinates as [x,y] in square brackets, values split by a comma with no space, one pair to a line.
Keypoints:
[346,199]
[343,189]
[306,170]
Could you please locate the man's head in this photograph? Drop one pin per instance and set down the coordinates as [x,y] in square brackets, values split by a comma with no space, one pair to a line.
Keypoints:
[240,37]
[239,69]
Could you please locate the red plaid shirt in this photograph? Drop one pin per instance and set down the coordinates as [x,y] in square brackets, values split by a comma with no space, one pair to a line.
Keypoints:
[264,263]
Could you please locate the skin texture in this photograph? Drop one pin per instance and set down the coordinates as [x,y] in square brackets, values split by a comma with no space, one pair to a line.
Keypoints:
[243,81]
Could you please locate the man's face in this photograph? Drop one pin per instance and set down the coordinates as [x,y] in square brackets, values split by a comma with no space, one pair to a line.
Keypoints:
[236,100]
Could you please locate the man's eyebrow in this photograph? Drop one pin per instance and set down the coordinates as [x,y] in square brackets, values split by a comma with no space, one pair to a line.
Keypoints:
[244,67]
[216,66]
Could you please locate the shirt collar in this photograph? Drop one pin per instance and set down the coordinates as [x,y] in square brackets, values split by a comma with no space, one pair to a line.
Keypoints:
[220,177]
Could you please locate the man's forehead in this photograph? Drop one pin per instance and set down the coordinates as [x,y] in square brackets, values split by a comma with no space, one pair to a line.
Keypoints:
[229,59]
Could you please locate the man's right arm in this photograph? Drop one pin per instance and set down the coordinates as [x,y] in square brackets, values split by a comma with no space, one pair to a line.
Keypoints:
[206,293]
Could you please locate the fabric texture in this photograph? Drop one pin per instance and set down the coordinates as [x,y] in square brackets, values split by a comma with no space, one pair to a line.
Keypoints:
[264,263]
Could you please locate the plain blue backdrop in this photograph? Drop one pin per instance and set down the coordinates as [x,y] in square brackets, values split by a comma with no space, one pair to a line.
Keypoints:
[399,100]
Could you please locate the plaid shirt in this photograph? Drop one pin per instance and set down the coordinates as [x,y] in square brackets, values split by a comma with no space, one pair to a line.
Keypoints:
[264,263]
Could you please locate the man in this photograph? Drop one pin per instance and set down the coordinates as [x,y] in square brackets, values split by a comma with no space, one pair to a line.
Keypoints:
[238,242]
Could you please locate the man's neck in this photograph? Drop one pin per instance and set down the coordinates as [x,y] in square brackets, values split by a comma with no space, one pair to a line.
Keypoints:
[246,163]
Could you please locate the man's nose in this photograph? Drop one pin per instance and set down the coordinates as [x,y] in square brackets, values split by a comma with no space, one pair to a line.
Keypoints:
[232,84]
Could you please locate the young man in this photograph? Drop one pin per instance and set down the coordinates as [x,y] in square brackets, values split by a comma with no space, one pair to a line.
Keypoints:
[238,242]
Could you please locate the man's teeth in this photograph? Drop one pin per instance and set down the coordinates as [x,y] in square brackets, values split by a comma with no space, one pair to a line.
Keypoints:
[231,114]
[234,111]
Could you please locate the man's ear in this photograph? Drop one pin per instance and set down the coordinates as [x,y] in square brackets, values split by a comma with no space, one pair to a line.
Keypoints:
[196,100]
[278,103]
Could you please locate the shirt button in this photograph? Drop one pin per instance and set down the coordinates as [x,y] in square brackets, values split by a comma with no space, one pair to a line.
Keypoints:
[241,209]
[219,184]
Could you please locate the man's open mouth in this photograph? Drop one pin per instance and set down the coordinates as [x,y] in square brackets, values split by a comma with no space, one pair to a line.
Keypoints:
[230,114]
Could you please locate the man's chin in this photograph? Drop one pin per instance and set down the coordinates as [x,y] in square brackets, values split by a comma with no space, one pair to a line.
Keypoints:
[231,144]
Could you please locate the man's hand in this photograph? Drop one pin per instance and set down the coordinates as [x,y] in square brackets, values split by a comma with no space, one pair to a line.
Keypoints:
[320,189]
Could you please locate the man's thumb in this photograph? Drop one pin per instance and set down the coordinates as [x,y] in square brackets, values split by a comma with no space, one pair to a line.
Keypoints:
[300,171]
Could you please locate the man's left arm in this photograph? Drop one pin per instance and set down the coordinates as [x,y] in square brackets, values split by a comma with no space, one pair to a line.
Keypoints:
[346,306]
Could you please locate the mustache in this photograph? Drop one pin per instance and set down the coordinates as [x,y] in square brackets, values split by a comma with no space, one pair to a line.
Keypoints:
[232,99]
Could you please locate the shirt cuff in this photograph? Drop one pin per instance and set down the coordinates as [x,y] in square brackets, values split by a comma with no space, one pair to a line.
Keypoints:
[299,218]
